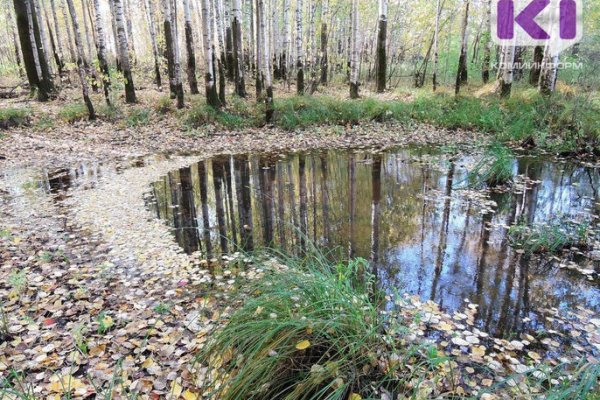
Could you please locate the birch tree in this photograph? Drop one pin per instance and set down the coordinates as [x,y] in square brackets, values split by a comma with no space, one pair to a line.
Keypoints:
[299,50]
[324,42]
[129,26]
[381,47]
[212,98]
[354,60]
[68,29]
[284,59]
[487,45]
[189,45]
[15,42]
[80,60]
[236,29]
[506,71]
[548,73]
[123,52]
[150,19]
[266,64]
[436,37]
[59,41]
[101,51]
[57,58]
[461,74]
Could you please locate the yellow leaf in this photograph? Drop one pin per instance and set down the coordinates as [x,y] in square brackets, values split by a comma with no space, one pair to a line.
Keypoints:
[107,321]
[148,363]
[354,396]
[176,389]
[305,344]
[189,395]
[66,385]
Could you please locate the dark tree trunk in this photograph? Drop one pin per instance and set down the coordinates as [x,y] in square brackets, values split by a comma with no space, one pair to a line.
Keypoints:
[170,56]
[191,62]
[381,56]
[538,58]
[324,57]
[240,84]
[26,48]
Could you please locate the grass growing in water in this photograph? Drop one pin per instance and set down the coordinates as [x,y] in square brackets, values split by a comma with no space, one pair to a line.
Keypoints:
[495,167]
[550,237]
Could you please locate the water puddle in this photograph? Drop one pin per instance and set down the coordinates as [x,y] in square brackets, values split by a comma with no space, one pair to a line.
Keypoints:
[407,211]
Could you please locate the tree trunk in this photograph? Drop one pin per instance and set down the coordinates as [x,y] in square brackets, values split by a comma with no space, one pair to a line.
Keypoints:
[229,45]
[129,26]
[189,44]
[80,60]
[59,43]
[68,29]
[381,47]
[15,43]
[27,47]
[266,65]
[169,46]
[354,67]
[436,36]
[123,51]
[538,58]
[177,56]
[259,58]
[86,29]
[487,46]
[152,30]
[236,29]
[549,73]
[461,74]
[299,50]
[57,58]
[32,35]
[324,42]
[101,51]
[212,98]
[284,59]
[43,35]
[506,72]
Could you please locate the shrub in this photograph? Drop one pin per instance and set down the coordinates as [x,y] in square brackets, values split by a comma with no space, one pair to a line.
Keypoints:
[14,117]
[164,105]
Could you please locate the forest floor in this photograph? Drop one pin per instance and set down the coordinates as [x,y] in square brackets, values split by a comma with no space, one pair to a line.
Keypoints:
[98,300]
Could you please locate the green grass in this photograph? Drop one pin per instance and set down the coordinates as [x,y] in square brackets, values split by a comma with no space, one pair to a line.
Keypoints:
[137,117]
[73,112]
[550,237]
[14,117]
[164,105]
[564,123]
[311,332]
[495,167]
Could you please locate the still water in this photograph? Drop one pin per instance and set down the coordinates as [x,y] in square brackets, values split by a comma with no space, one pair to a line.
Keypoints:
[407,211]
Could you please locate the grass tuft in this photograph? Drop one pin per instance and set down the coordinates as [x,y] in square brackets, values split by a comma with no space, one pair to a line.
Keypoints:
[495,167]
[14,117]
[73,112]
[550,237]
[138,117]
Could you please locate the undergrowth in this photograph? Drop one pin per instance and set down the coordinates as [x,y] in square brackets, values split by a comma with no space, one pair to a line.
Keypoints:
[494,168]
[73,112]
[14,117]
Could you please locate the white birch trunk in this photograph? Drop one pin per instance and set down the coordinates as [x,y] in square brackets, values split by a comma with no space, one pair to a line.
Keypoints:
[34,45]
[101,50]
[68,29]
[286,40]
[43,33]
[207,38]
[299,49]
[152,30]
[436,33]
[56,29]
[123,51]
[266,64]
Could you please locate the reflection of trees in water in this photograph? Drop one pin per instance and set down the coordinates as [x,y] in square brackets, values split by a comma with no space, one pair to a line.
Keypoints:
[382,207]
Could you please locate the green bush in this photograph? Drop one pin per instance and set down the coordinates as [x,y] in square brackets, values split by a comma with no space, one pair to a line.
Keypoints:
[164,105]
[14,117]
[138,117]
[73,112]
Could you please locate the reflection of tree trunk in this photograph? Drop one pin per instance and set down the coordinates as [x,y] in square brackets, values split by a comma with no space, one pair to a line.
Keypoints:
[242,184]
[522,301]
[480,272]
[376,188]
[314,197]
[204,203]
[188,212]
[351,212]
[229,188]
[303,201]
[176,207]
[266,199]
[503,327]
[292,195]
[217,167]
[441,253]
[280,206]
[325,198]
[424,177]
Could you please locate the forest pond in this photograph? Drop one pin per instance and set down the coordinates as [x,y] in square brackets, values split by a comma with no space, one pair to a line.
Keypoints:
[408,211]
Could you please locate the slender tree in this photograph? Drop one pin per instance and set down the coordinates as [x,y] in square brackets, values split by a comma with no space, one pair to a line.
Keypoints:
[324,42]
[101,51]
[236,29]
[284,59]
[538,59]
[436,34]
[59,42]
[43,35]
[506,71]
[461,74]
[57,58]
[189,45]
[381,47]
[80,62]
[63,9]
[15,42]
[129,26]
[212,98]
[299,50]
[150,19]
[487,45]
[549,72]
[266,65]
[354,55]
[123,51]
